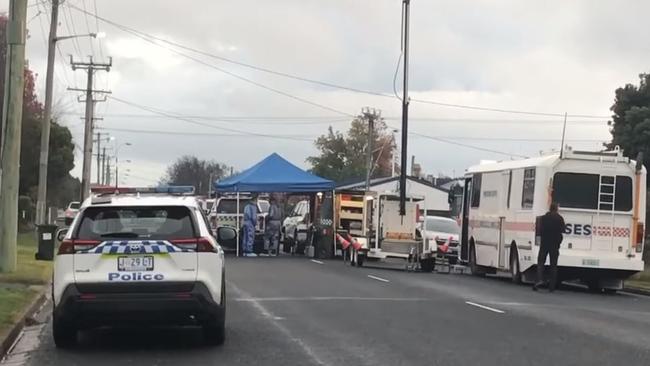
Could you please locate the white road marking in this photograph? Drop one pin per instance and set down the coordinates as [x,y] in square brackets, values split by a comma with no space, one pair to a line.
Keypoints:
[484,307]
[317,262]
[328,298]
[275,321]
[378,278]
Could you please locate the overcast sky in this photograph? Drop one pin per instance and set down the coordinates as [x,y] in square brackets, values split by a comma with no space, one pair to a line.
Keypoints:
[551,56]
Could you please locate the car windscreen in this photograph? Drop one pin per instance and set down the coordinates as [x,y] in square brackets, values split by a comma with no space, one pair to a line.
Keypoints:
[74,205]
[229,206]
[442,226]
[136,223]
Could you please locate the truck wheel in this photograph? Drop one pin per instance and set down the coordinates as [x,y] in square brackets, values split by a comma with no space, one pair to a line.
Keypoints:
[473,266]
[594,286]
[428,265]
[65,334]
[515,272]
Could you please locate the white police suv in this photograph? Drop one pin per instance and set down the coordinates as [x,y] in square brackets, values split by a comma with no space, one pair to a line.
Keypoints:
[139,256]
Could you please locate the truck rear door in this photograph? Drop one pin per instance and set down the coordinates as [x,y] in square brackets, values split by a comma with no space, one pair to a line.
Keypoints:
[597,210]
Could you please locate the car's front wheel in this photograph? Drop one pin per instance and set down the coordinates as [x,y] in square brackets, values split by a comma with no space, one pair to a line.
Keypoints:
[65,334]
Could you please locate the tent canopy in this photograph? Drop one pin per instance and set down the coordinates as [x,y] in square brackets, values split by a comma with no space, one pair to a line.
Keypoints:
[274,174]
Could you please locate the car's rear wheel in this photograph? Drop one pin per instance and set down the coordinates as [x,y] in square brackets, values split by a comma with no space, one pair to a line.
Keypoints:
[214,328]
[515,271]
[428,265]
[65,334]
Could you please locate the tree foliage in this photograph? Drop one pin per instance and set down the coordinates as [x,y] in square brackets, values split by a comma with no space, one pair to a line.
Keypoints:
[630,125]
[190,170]
[61,156]
[343,157]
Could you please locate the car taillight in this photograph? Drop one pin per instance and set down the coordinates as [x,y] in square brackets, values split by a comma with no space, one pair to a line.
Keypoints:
[70,246]
[640,232]
[201,245]
[418,216]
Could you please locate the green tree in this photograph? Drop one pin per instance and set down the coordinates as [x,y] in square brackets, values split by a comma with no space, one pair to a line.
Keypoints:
[190,170]
[630,124]
[343,157]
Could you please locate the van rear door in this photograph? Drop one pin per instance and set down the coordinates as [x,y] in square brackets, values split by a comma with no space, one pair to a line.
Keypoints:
[597,209]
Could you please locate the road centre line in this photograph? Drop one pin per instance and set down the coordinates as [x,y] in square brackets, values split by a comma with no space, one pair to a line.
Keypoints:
[484,307]
[317,262]
[378,278]
[328,298]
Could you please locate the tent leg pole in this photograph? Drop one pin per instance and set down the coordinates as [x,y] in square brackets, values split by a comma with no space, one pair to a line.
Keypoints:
[238,224]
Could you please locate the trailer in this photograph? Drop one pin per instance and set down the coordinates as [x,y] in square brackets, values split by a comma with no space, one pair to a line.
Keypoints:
[369,227]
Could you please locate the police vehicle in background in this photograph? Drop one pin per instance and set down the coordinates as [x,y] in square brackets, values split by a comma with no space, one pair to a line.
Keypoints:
[139,256]
[601,197]
[224,214]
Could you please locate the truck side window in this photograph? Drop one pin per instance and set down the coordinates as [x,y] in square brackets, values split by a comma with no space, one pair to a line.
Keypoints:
[528,193]
[476,190]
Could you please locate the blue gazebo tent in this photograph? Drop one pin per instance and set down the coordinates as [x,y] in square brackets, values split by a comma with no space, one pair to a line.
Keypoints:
[273,174]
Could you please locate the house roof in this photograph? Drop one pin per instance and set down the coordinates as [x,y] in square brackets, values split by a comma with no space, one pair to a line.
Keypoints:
[378,181]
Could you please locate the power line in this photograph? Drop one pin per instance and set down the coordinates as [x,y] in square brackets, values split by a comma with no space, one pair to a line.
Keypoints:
[188,120]
[90,40]
[150,37]
[289,120]
[71,28]
[199,134]
[461,138]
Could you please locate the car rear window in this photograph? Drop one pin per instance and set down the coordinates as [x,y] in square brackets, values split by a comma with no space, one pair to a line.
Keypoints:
[442,226]
[75,205]
[229,206]
[136,223]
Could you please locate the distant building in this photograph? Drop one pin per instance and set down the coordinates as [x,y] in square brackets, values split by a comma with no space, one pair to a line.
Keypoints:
[436,200]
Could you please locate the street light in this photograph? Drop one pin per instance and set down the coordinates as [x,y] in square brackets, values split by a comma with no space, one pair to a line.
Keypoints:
[91,35]
[41,203]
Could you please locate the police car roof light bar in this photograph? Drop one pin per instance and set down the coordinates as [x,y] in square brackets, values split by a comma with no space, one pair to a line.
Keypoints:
[162,189]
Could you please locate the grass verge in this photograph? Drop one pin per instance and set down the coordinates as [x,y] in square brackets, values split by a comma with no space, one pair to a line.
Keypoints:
[641,281]
[18,289]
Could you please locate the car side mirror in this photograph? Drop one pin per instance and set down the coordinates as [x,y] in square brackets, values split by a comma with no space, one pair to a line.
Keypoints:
[61,233]
[227,237]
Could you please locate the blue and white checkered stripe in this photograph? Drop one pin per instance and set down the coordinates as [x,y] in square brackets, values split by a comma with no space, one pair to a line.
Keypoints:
[135,247]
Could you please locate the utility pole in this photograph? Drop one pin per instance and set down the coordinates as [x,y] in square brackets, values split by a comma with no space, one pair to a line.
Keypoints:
[103,166]
[41,202]
[371,115]
[90,67]
[108,171]
[405,109]
[12,116]
[210,185]
[99,157]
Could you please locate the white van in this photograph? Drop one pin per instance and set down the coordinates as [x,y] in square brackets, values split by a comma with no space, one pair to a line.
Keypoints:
[601,196]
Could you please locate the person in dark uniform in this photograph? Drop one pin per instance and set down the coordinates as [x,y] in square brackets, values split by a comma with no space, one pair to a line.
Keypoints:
[552,227]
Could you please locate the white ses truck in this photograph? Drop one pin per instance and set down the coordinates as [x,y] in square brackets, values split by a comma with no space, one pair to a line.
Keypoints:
[601,197]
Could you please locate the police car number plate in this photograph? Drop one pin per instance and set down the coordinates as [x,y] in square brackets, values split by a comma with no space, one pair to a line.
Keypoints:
[591,262]
[135,263]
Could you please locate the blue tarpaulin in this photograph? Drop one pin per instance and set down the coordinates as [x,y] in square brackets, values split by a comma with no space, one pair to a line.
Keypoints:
[274,174]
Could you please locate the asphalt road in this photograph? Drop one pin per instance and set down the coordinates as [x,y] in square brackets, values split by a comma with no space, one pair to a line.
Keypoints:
[293,311]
